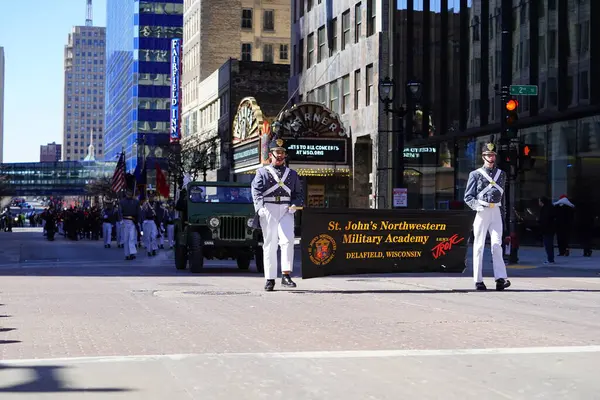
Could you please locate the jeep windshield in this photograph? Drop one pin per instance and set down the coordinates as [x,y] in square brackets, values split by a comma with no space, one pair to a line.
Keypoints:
[220,194]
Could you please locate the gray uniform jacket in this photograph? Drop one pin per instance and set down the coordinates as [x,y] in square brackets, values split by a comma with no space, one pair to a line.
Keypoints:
[485,186]
[277,185]
[130,209]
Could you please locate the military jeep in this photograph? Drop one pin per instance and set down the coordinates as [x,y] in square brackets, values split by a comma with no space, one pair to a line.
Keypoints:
[216,223]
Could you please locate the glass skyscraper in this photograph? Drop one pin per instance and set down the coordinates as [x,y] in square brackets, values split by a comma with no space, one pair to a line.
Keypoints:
[138,42]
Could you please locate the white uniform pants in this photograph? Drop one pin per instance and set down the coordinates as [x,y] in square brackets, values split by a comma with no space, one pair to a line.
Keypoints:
[150,233]
[161,239]
[171,234]
[488,220]
[130,237]
[119,226]
[278,229]
[107,232]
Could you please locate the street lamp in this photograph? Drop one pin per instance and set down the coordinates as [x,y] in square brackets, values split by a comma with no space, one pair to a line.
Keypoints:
[387,97]
[413,88]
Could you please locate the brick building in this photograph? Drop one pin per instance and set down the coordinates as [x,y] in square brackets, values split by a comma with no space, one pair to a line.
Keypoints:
[50,152]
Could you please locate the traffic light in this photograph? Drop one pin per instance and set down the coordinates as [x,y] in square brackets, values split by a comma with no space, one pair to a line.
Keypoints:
[526,157]
[512,116]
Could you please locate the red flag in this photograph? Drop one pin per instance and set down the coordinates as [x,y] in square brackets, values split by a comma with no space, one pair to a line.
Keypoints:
[118,179]
[161,182]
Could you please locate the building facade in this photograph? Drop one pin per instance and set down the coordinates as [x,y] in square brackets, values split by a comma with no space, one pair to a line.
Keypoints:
[50,152]
[560,126]
[138,79]
[85,55]
[338,57]
[214,32]
[209,126]
[1,104]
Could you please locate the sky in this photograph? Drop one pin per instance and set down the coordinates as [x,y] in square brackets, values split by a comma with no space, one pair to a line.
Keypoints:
[34,72]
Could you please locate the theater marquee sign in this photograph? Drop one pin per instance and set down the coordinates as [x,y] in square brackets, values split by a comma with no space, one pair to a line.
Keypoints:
[314,135]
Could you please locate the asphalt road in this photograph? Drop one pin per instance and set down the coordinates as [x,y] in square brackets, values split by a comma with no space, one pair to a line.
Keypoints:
[77,321]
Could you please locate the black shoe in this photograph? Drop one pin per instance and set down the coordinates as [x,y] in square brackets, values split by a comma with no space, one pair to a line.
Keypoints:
[287,281]
[502,284]
[149,254]
[480,286]
[153,253]
[130,257]
[270,285]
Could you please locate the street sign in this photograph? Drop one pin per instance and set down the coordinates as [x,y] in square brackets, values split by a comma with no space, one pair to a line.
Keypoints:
[523,90]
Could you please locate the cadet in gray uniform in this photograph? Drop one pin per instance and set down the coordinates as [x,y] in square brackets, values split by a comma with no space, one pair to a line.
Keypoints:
[131,212]
[485,194]
[149,225]
[276,191]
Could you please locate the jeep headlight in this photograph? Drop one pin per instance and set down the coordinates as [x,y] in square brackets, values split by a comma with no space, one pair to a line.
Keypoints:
[214,222]
[250,222]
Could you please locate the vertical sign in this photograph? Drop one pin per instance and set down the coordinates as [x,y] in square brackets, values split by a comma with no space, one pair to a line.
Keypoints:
[175,90]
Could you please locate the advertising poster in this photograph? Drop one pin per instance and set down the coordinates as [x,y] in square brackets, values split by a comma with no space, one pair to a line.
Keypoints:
[175,129]
[368,241]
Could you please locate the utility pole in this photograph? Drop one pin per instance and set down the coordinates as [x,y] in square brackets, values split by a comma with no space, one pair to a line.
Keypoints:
[507,144]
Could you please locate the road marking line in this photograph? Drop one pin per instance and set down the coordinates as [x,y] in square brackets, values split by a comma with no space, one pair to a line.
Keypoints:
[319,354]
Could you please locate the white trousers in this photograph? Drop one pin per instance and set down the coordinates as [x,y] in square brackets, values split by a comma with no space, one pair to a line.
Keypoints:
[171,234]
[119,226]
[150,232]
[278,230]
[130,237]
[488,220]
[107,232]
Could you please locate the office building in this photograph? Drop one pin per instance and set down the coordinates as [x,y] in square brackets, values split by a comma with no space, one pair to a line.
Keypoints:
[138,79]
[50,152]
[84,89]
[1,103]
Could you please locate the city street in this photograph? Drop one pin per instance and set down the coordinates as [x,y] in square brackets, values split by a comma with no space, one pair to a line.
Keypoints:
[77,321]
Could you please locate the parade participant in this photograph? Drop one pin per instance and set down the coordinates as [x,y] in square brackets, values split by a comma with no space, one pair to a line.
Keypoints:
[484,194]
[149,225]
[119,226]
[277,191]
[108,218]
[130,209]
[170,216]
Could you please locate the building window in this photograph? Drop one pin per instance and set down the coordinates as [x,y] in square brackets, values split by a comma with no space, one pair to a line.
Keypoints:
[370,17]
[334,36]
[246,51]
[345,94]
[310,49]
[357,86]
[321,95]
[268,53]
[321,39]
[357,22]
[247,18]
[334,94]
[345,28]
[309,5]
[369,85]
[268,20]
[283,52]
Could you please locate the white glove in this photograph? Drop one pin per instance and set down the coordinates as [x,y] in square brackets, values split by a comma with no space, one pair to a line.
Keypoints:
[291,209]
[479,208]
[262,212]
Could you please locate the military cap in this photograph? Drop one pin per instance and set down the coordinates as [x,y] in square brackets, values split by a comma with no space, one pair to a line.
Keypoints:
[277,144]
[488,148]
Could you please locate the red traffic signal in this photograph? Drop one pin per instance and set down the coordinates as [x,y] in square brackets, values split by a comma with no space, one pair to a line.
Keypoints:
[512,105]
[526,150]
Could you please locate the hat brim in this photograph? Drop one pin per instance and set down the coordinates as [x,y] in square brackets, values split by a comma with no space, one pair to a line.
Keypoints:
[488,152]
[277,148]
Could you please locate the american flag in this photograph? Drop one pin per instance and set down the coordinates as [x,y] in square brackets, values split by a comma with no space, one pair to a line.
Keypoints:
[118,179]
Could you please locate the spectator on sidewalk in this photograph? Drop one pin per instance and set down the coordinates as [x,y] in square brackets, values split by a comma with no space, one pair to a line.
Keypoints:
[565,216]
[586,216]
[547,223]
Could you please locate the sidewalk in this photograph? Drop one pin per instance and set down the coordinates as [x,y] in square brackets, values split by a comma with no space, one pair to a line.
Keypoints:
[534,257]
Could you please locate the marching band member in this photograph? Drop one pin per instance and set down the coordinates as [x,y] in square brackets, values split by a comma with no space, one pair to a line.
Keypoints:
[149,225]
[130,210]
[277,191]
[484,194]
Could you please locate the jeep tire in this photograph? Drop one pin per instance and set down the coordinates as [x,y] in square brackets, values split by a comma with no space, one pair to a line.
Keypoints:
[243,262]
[196,253]
[259,259]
